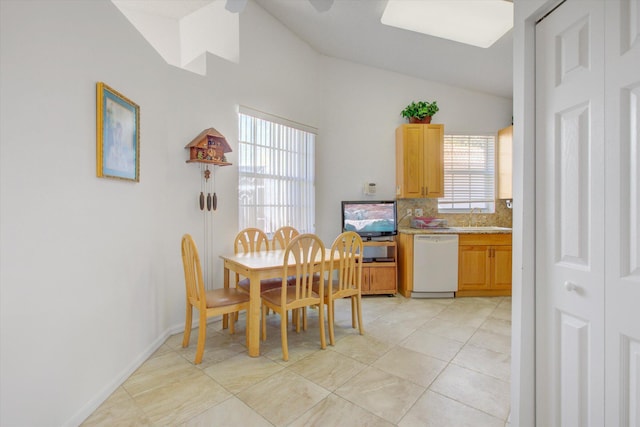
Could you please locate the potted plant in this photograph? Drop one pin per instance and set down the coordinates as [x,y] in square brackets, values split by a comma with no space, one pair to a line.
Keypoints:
[420,112]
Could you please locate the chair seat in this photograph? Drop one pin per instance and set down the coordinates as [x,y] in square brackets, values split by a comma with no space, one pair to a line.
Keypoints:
[274,295]
[265,284]
[225,296]
[316,286]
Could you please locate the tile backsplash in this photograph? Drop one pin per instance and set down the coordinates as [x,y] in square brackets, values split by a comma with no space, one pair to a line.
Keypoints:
[501,218]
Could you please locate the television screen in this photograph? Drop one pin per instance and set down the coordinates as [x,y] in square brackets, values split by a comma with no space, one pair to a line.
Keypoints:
[370,218]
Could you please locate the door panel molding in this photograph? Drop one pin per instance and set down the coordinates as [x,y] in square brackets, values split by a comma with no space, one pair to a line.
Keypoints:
[574,370]
[573,173]
[630,181]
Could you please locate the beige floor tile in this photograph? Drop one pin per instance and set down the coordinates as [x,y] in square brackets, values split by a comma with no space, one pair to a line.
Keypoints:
[300,346]
[378,379]
[447,329]
[160,371]
[335,411]
[435,410]
[230,413]
[465,317]
[413,316]
[241,371]
[411,365]
[164,349]
[119,410]
[391,333]
[480,391]
[329,369]
[175,341]
[497,326]
[502,312]
[374,306]
[381,393]
[505,302]
[364,348]
[283,398]
[178,402]
[343,324]
[432,345]
[486,361]
[481,310]
[492,341]
[118,397]
[219,344]
[478,302]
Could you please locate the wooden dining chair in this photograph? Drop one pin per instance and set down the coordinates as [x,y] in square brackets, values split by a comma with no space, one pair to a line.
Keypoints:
[253,240]
[345,279]
[208,303]
[306,252]
[283,236]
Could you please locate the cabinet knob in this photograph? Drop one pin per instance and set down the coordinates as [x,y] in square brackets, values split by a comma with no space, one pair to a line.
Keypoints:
[570,286]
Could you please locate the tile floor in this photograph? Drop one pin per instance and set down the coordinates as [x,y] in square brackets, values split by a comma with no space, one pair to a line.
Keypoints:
[421,362]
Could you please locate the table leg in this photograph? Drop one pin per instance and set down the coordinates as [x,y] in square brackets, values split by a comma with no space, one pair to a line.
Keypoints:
[253,316]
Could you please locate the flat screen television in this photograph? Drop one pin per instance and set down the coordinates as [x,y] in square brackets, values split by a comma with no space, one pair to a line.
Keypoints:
[370,218]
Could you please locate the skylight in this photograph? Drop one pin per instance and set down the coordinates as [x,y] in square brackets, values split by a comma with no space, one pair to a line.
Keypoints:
[475,22]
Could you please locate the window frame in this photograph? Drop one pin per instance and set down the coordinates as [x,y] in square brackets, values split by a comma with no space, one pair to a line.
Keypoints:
[266,172]
[484,205]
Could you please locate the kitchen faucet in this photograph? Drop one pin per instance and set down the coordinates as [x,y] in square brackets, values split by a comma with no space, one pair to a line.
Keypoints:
[473,210]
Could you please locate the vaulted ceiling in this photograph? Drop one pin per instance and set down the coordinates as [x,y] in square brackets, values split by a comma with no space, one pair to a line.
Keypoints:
[351,30]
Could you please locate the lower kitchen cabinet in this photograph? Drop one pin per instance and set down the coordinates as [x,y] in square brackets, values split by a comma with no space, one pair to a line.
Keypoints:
[379,275]
[378,280]
[484,265]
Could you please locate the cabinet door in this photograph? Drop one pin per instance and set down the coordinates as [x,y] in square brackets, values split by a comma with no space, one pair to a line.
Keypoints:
[382,280]
[409,161]
[434,161]
[473,268]
[420,161]
[365,279]
[501,260]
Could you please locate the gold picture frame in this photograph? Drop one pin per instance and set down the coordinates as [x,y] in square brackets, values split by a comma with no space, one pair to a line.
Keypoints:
[117,135]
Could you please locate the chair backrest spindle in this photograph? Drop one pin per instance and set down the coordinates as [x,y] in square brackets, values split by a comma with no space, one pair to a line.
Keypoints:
[283,236]
[250,240]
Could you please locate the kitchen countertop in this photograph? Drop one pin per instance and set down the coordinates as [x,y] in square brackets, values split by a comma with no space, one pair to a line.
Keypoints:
[456,230]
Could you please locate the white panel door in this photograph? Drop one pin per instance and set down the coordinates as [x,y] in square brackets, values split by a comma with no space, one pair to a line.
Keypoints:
[622,214]
[570,150]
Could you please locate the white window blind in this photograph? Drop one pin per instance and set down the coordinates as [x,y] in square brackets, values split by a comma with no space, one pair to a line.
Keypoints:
[469,174]
[276,173]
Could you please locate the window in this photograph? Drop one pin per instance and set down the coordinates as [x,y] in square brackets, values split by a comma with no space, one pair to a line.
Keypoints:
[276,173]
[469,174]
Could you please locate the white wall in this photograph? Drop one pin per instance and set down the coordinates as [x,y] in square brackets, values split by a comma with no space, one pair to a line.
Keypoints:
[357,135]
[91,280]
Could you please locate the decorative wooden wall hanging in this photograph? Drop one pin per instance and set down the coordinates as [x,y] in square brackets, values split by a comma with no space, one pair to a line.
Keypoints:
[208,148]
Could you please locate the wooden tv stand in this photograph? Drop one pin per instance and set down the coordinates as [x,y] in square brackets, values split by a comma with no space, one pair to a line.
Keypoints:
[379,272]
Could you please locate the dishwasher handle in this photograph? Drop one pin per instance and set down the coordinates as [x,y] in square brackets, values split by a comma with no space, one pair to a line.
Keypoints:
[432,238]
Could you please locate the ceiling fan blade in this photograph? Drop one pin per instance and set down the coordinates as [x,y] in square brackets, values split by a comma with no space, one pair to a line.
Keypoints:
[321,5]
[235,6]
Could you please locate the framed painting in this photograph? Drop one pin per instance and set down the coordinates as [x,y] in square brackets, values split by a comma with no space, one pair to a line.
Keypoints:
[118,135]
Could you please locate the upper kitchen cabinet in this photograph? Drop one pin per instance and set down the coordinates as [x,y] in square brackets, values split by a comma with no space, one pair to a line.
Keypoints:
[505,160]
[419,161]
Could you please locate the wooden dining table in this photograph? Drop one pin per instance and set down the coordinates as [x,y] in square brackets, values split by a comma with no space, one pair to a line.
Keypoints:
[258,266]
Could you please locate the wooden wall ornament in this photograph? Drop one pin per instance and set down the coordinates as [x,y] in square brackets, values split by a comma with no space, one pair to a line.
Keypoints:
[208,148]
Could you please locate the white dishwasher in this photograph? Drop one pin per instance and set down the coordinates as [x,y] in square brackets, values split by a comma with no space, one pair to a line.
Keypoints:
[435,265]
